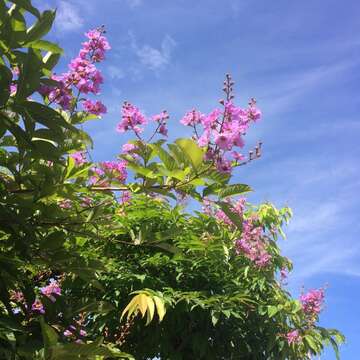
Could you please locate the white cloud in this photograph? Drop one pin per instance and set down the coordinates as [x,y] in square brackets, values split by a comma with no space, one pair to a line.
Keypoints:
[68,17]
[150,57]
[282,95]
[134,3]
[115,72]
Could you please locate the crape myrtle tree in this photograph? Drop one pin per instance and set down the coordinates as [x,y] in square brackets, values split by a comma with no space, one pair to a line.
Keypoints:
[95,266]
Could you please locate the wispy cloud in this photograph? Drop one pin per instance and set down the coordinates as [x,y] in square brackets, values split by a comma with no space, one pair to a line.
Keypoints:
[289,89]
[151,57]
[134,3]
[68,17]
[115,72]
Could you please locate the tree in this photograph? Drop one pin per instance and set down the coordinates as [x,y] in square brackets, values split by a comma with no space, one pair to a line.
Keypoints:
[80,263]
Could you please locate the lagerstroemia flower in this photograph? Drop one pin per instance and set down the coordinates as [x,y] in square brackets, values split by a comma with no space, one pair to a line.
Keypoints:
[312,302]
[65,204]
[82,75]
[128,148]
[252,244]
[94,107]
[96,46]
[132,119]
[293,337]
[223,130]
[115,169]
[51,289]
[192,118]
[79,158]
[67,333]
[38,306]
[17,296]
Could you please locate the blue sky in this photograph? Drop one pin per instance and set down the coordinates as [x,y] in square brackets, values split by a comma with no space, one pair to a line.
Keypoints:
[301,61]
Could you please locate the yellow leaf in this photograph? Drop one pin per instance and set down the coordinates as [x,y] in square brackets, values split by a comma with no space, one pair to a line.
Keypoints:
[151,310]
[160,307]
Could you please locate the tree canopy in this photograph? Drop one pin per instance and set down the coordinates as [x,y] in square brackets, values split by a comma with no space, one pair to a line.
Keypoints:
[95,264]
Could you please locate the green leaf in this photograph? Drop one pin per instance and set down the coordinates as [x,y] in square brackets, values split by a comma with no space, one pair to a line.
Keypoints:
[336,348]
[228,210]
[26,5]
[272,310]
[234,189]
[164,156]
[21,136]
[41,27]
[5,81]
[192,151]
[50,60]
[47,116]
[99,307]
[30,74]
[50,337]
[46,46]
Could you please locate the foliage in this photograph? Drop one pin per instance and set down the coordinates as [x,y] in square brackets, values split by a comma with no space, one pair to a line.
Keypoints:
[79,264]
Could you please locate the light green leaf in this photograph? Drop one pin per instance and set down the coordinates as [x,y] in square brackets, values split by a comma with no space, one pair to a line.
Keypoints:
[193,152]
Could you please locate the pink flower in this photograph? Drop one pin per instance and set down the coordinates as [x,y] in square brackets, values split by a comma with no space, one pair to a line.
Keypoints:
[293,337]
[224,166]
[210,121]
[17,296]
[67,333]
[132,119]
[65,204]
[61,94]
[161,117]
[223,140]
[283,275]
[38,306]
[312,302]
[96,108]
[13,89]
[116,169]
[52,289]
[128,148]
[252,245]
[163,130]
[125,197]
[237,156]
[96,47]
[79,158]
[204,139]
[192,118]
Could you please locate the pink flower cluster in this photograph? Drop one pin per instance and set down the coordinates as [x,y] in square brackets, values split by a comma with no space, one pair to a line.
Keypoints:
[237,208]
[96,46]
[17,296]
[13,85]
[72,331]
[82,74]
[293,337]
[65,204]
[312,302]
[109,171]
[133,119]
[252,244]
[223,130]
[125,197]
[79,158]
[162,119]
[115,169]
[38,306]
[94,107]
[51,289]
